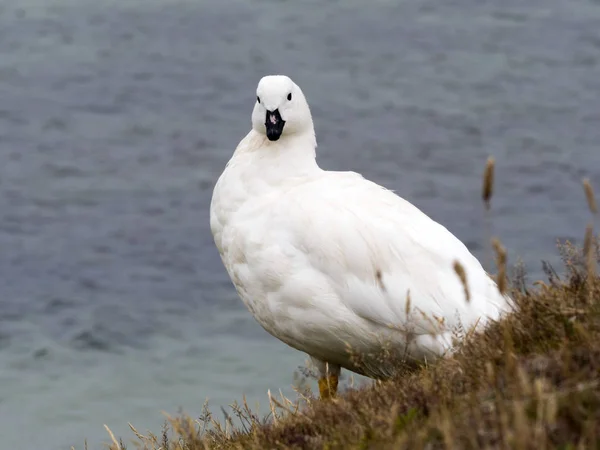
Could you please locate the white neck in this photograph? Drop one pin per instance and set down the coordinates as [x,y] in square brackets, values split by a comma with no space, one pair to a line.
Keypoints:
[290,156]
[260,167]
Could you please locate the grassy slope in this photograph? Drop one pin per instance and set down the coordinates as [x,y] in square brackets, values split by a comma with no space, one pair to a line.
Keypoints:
[530,381]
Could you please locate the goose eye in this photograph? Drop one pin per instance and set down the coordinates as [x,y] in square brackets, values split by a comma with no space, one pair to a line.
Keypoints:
[289,96]
[258,99]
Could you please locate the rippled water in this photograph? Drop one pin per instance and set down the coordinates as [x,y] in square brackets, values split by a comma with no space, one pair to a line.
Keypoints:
[118,116]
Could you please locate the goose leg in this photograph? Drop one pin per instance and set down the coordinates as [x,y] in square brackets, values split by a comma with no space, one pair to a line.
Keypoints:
[328,378]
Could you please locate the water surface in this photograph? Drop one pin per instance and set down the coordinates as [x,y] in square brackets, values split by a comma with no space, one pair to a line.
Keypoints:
[117,118]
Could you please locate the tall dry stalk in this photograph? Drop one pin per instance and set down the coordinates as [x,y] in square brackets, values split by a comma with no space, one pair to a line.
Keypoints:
[589,244]
[501,264]
[486,194]
[487,191]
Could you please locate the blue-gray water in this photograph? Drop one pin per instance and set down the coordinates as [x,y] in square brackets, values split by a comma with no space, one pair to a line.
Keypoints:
[116,118]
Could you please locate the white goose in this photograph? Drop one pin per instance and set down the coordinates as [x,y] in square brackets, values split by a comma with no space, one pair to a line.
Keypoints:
[335,265]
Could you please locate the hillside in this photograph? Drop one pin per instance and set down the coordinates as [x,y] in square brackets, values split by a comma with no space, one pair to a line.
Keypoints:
[530,381]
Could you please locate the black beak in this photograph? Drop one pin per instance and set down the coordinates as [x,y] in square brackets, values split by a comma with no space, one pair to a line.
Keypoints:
[274,124]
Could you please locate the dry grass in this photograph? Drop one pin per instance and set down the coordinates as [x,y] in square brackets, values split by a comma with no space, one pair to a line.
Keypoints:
[530,381]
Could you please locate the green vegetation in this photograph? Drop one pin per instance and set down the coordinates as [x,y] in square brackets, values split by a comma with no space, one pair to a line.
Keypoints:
[530,381]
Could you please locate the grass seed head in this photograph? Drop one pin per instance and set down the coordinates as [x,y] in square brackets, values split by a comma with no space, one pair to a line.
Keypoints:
[589,195]
[488,181]
[462,275]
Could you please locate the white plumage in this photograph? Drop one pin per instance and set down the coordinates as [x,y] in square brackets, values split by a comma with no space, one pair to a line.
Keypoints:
[325,261]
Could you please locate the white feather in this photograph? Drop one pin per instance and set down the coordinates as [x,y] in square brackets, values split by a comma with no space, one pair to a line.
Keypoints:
[326,261]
